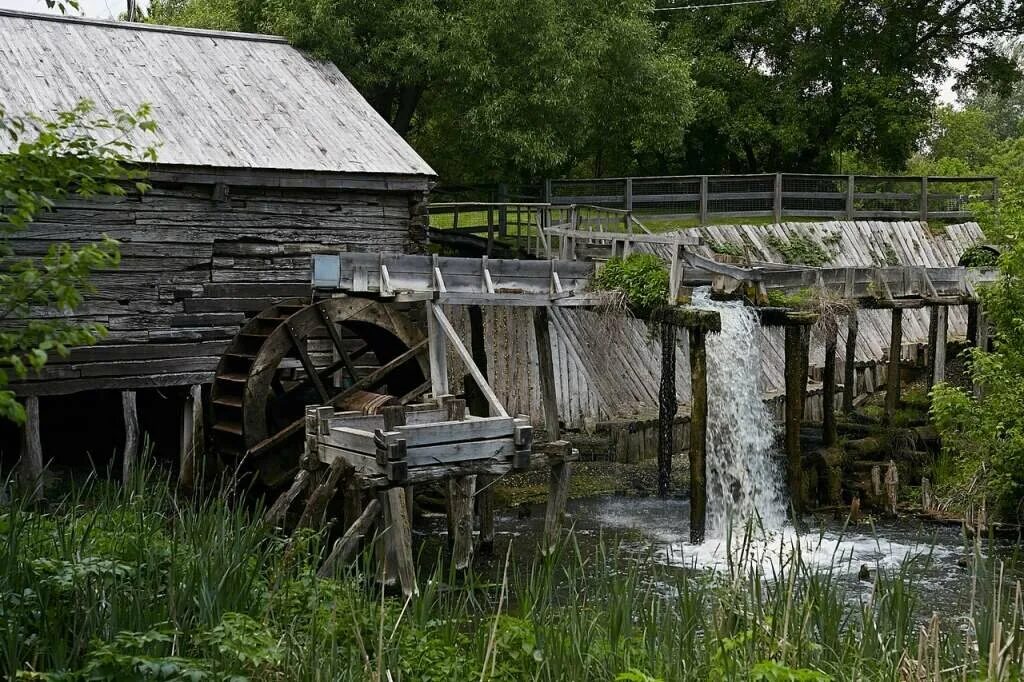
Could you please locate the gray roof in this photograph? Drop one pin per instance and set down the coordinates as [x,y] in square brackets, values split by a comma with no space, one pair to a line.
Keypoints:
[220,99]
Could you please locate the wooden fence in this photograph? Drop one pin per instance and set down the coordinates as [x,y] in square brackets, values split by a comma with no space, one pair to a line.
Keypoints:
[705,198]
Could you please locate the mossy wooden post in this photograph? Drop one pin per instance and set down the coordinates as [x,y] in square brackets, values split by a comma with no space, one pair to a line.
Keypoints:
[479,406]
[938,355]
[892,391]
[796,359]
[933,323]
[828,389]
[698,434]
[546,367]
[850,363]
[461,490]
[131,435]
[30,467]
[399,534]
[560,460]
[667,405]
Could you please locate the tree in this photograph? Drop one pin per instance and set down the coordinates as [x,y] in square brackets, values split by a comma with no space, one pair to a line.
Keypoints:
[789,85]
[492,90]
[76,153]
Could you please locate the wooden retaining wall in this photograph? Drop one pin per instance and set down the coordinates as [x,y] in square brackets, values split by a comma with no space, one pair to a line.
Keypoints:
[608,367]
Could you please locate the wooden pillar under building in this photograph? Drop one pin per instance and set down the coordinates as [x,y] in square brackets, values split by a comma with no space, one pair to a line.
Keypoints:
[546,367]
[667,407]
[131,435]
[399,539]
[892,391]
[796,360]
[828,389]
[190,455]
[30,466]
[972,322]
[461,491]
[850,362]
[698,434]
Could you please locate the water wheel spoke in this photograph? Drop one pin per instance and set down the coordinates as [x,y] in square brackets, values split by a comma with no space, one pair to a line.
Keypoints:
[307,364]
[339,343]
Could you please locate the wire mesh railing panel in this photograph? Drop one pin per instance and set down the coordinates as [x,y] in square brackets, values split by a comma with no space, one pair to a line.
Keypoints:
[957,197]
[679,197]
[887,197]
[741,194]
[608,193]
[814,195]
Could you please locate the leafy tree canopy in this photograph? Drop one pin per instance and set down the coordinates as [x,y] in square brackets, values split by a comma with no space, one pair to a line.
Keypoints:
[76,153]
[491,90]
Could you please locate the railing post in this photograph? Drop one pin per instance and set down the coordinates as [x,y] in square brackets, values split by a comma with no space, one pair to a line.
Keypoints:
[923,208]
[703,200]
[777,204]
[850,189]
[503,211]
[547,200]
[628,196]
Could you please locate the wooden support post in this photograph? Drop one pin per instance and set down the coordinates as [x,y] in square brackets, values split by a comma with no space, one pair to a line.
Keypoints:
[777,203]
[851,183]
[131,435]
[399,537]
[923,207]
[313,516]
[560,457]
[938,354]
[698,434]
[972,322]
[30,467]
[478,406]
[704,209]
[191,453]
[460,501]
[892,395]
[933,325]
[667,407]
[628,195]
[275,515]
[348,543]
[850,364]
[438,355]
[546,367]
[796,360]
[828,390]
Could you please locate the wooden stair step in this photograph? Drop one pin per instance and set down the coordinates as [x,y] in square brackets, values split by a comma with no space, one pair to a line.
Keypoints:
[228,401]
[234,428]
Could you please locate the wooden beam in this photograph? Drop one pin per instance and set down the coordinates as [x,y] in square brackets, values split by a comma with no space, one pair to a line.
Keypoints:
[399,537]
[460,501]
[437,352]
[698,434]
[339,343]
[546,367]
[308,366]
[313,516]
[348,543]
[467,359]
[30,466]
[131,435]
[939,353]
[892,391]
[275,515]
[850,362]
[667,407]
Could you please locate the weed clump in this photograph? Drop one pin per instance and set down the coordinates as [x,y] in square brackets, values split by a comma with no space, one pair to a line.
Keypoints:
[641,278]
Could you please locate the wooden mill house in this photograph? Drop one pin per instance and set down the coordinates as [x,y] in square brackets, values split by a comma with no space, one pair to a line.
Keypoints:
[265,157]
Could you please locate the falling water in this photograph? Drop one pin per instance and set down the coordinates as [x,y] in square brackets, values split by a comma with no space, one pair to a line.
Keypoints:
[743,479]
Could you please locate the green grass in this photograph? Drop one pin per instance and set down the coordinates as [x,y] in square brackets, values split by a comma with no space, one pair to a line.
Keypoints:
[136,584]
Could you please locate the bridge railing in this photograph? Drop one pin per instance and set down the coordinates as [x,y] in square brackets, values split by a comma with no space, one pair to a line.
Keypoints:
[707,198]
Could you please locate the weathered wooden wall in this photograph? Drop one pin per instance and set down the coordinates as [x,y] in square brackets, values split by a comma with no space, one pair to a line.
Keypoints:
[196,260]
[609,367]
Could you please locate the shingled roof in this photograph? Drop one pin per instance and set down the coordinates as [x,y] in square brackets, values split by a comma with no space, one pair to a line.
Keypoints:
[229,100]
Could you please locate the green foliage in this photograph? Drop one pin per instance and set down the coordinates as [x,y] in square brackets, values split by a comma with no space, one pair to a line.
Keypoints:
[641,278]
[492,90]
[76,153]
[979,257]
[727,248]
[800,250]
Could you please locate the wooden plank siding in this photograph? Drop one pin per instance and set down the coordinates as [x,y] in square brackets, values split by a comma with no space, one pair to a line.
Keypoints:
[194,267]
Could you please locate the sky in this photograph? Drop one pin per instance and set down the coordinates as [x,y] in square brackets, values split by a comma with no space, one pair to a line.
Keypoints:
[109,9]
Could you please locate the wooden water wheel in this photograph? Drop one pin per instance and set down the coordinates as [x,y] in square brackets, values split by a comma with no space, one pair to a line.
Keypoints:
[332,352]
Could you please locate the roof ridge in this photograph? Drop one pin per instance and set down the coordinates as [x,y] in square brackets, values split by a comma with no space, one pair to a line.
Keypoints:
[131,25]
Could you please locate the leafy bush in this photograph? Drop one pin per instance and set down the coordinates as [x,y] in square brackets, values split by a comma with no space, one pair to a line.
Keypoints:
[641,278]
[800,250]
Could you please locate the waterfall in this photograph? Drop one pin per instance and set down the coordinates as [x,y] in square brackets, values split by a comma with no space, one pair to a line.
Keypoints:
[743,479]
